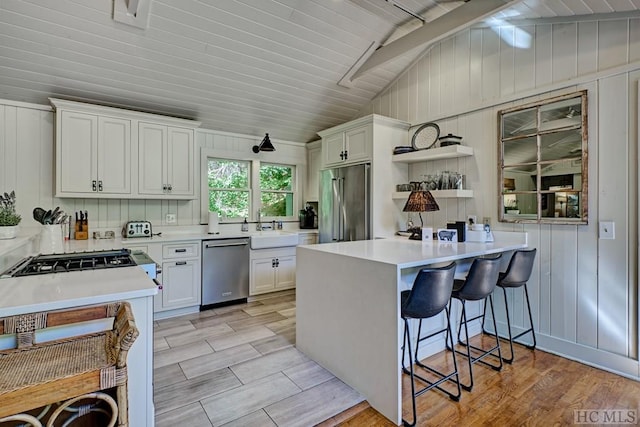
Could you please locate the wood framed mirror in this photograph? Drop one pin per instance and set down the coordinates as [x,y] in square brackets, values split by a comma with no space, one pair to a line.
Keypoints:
[542,171]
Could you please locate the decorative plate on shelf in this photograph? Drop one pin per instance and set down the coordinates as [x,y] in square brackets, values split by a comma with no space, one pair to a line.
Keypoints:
[426,136]
[401,149]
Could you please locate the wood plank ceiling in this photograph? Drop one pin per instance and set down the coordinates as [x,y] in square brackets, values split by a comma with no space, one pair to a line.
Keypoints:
[245,66]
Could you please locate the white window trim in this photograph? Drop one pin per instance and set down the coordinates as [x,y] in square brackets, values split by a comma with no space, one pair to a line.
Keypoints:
[254,187]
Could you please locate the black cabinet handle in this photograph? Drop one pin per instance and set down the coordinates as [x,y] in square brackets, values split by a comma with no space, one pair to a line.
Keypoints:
[342,155]
[100,185]
[170,187]
[181,262]
[93,185]
[181,250]
[346,154]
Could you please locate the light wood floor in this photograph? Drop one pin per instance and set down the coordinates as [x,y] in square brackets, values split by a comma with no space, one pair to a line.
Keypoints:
[538,389]
[238,366]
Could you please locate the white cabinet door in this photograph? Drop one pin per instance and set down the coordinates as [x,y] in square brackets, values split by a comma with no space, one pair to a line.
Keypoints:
[286,272]
[358,144]
[313,173]
[180,152]
[114,156]
[151,158]
[76,151]
[262,275]
[333,149]
[165,161]
[180,280]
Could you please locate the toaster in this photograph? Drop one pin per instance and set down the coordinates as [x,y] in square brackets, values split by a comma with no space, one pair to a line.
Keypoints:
[137,229]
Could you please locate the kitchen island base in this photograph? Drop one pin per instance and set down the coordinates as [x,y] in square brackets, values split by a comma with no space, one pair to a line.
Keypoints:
[348,307]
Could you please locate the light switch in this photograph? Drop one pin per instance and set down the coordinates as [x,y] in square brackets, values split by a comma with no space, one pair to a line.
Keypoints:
[607,230]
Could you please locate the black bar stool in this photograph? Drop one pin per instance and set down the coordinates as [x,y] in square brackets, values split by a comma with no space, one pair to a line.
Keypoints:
[479,285]
[517,275]
[428,297]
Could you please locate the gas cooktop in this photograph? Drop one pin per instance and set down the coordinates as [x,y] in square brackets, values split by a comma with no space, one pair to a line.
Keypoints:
[75,261]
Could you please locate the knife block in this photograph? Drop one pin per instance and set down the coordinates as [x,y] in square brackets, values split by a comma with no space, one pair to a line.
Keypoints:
[81,231]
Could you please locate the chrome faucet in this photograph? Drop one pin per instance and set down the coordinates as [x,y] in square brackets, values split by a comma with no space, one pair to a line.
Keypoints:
[259,224]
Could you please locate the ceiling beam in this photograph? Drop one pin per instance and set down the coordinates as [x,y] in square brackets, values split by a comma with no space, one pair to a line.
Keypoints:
[431,32]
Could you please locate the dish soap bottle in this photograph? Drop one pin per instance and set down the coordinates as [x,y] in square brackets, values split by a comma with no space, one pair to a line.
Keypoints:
[245,225]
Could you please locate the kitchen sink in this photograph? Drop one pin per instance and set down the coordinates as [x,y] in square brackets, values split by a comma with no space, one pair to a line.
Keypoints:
[273,239]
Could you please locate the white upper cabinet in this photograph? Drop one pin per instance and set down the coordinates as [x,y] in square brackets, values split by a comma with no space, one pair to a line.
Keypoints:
[314,160]
[347,145]
[99,150]
[165,161]
[93,156]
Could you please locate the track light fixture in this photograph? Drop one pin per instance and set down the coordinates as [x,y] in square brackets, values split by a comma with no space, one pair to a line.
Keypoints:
[265,145]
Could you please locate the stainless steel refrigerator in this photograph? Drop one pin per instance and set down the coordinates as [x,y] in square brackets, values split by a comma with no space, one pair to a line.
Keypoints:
[345,204]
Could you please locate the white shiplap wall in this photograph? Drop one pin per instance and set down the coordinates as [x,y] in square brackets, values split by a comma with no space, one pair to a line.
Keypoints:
[583,289]
[26,166]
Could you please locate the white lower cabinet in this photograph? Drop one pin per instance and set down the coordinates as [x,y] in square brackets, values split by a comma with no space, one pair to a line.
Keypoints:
[180,276]
[308,238]
[272,270]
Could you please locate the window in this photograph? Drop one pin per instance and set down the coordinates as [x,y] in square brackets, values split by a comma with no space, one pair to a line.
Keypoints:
[543,161]
[229,187]
[276,190]
[236,189]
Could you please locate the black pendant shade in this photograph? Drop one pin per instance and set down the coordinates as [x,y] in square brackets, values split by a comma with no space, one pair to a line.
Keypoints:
[265,145]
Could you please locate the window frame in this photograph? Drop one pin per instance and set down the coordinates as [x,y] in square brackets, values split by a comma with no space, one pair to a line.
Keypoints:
[292,191]
[540,132]
[255,192]
[247,189]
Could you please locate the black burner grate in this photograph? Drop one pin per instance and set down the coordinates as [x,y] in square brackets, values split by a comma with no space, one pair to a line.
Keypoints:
[77,261]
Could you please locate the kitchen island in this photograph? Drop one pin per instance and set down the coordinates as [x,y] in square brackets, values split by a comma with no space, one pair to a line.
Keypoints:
[348,306]
[47,292]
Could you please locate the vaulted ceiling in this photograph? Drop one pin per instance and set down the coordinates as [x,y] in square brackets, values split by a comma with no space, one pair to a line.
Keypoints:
[287,67]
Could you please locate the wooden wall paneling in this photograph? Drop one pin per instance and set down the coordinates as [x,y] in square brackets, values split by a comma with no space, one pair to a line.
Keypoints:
[543,63]
[113,218]
[565,41]
[587,47]
[385,100]
[544,254]
[524,58]
[28,139]
[461,70]
[393,100]
[424,77]
[612,184]
[490,65]
[564,245]
[587,302]
[634,177]
[46,153]
[412,95]
[403,97]
[3,139]
[435,82]
[447,66]
[10,148]
[507,59]
[475,66]
[612,43]
[634,39]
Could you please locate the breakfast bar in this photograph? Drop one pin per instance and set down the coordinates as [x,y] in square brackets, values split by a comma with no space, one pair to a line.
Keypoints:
[348,306]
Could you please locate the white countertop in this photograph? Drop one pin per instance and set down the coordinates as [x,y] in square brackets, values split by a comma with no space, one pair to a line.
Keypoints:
[53,291]
[405,253]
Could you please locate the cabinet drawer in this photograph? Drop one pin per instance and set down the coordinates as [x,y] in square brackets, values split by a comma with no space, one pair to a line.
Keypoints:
[181,250]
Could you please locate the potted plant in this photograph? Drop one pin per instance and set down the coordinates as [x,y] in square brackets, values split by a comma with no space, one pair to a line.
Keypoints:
[9,219]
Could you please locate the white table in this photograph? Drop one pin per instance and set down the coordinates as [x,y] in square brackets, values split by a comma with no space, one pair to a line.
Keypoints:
[348,306]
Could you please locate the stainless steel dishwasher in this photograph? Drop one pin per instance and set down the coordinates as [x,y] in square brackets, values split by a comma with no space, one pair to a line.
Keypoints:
[225,271]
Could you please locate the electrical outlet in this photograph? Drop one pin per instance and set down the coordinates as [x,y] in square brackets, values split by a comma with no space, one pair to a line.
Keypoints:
[472,219]
[170,218]
[607,230]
